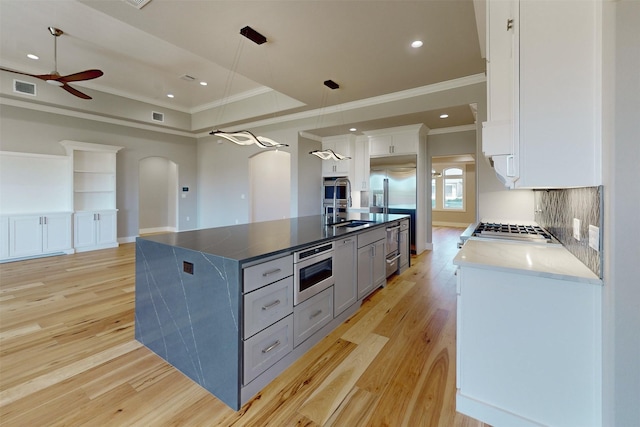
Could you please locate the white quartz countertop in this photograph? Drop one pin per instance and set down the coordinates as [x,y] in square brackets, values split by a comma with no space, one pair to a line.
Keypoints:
[538,260]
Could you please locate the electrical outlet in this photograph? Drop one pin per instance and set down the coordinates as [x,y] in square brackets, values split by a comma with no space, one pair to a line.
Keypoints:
[187,267]
[576,228]
[594,237]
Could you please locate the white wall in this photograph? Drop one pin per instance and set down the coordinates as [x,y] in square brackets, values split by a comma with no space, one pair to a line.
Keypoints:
[31,131]
[270,185]
[621,159]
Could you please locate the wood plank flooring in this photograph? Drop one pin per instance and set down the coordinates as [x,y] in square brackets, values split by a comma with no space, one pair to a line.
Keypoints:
[68,356]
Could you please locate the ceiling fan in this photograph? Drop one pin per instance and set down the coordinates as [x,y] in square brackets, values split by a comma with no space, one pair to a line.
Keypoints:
[55,78]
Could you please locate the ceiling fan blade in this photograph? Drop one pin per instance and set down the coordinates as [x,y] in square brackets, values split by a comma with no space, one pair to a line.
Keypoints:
[37,76]
[82,75]
[75,92]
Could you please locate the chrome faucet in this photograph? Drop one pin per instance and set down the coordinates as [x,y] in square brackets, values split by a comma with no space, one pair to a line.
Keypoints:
[335,193]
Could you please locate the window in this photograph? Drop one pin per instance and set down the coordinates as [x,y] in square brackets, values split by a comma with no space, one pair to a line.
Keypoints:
[453,188]
[447,187]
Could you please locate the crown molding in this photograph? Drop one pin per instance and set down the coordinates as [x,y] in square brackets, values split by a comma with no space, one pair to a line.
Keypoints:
[90,116]
[453,129]
[376,100]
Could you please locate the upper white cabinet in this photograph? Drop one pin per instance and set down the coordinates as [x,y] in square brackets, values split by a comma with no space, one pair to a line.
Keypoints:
[343,145]
[94,194]
[544,95]
[395,141]
[361,164]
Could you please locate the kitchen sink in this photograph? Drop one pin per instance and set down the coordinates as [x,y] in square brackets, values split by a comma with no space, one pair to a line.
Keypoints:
[352,225]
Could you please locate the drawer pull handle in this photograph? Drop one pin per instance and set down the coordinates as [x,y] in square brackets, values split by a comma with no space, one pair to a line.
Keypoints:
[271,347]
[270,272]
[316,314]
[273,304]
[394,259]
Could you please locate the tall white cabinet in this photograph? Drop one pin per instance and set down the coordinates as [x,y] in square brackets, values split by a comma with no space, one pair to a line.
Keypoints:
[94,195]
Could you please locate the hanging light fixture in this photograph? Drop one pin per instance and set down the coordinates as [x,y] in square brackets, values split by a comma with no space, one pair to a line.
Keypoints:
[244,137]
[329,154]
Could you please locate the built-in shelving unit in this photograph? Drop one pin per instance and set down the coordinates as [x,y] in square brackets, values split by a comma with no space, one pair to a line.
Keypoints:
[94,194]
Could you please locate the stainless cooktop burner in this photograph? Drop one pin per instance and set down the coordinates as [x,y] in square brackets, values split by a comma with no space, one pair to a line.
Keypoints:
[506,231]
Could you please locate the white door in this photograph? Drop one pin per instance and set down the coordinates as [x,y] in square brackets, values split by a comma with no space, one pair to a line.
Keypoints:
[270,185]
[25,235]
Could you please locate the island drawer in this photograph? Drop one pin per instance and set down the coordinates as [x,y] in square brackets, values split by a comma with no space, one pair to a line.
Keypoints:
[260,275]
[369,237]
[311,315]
[267,347]
[267,305]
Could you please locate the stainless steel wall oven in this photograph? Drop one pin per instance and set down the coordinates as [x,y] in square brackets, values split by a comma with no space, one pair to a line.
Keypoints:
[313,271]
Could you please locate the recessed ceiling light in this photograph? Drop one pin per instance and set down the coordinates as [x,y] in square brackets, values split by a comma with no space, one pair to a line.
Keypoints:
[444,116]
[352,129]
[416,43]
[203,83]
[170,95]
[32,56]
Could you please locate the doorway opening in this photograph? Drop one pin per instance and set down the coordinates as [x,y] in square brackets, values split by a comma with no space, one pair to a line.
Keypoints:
[157,195]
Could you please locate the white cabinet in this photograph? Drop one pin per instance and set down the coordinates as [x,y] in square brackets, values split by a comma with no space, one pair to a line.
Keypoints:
[38,234]
[543,120]
[528,349]
[345,274]
[94,194]
[95,230]
[404,246]
[343,145]
[371,261]
[361,165]
[396,141]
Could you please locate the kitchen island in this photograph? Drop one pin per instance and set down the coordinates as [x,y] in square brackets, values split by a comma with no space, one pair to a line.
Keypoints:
[218,304]
[528,335]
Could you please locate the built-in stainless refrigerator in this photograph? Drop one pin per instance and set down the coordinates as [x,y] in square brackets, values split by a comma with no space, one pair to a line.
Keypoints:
[392,188]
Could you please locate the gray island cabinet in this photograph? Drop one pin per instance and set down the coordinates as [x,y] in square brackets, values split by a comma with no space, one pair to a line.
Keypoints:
[218,303]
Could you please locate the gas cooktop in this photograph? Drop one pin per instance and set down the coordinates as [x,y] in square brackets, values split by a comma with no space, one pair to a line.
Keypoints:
[529,233]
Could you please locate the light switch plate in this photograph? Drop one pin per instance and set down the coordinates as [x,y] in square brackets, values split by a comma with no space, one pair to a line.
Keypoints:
[594,237]
[576,228]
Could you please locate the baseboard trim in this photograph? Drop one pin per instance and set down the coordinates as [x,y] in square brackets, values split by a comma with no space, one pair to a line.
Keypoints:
[450,224]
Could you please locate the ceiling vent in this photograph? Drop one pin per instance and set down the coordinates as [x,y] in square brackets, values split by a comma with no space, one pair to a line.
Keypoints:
[157,117]
[24,87]
[138,4]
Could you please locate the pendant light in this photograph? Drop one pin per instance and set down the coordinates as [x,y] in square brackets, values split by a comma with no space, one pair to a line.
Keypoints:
[244,137]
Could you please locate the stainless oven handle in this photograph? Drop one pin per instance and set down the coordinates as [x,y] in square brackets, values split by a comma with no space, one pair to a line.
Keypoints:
[391,261]
[270,272]
[393,228]
[273,304]
[314,259]
[271,347]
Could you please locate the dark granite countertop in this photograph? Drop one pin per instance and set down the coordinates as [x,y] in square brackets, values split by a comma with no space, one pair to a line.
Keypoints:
[248,242]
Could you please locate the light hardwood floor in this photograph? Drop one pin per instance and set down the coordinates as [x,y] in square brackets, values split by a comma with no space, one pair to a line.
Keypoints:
[68,356]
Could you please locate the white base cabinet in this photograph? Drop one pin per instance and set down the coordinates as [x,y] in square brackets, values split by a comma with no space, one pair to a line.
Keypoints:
[344,265]
[371,261]
[35,235]
[528,349]
[95,230]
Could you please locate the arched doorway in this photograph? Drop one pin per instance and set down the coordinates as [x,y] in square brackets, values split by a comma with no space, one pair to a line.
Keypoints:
[270,186]
[158,195]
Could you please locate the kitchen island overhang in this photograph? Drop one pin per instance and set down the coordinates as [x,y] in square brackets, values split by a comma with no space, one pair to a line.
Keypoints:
[189,296]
